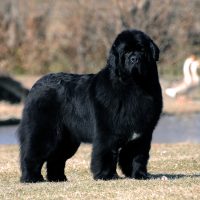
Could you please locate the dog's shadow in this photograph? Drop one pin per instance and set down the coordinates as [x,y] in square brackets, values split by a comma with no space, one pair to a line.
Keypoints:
[172,176]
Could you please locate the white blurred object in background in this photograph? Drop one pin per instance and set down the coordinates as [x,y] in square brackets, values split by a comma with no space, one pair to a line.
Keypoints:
[191,78]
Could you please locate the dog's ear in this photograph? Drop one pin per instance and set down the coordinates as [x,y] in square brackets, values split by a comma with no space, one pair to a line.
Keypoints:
[154,50]
[115,57]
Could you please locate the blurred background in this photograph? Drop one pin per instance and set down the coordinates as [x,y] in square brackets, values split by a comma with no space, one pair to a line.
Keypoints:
[43,36]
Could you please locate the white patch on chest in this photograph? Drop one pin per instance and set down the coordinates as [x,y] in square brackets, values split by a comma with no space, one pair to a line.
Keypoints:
[135,136]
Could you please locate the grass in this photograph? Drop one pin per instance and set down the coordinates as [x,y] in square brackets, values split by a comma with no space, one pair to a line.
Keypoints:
[175,169]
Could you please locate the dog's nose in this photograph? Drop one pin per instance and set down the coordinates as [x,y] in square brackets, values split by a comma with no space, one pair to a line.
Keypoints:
[134,59]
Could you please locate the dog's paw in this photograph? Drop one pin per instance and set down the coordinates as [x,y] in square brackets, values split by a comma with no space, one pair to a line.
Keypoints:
[140,175]
[29,179]
[60,178]
[106,177]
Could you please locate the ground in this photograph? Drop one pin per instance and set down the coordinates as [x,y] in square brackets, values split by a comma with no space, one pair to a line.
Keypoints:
[175,169]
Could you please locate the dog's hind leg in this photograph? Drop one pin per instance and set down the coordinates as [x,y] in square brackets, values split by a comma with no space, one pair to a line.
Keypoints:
[35,147]
[33,153]
[31,170]
[65,149]
[37,134]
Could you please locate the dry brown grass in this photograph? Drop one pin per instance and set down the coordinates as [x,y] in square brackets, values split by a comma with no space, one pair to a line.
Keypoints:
[181,105]
[176,170]
[10,111]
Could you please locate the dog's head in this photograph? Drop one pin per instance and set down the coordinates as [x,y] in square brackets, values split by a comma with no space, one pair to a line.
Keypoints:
[133,54]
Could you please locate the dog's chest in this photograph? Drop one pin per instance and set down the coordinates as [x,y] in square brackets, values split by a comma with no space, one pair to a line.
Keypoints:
[135,116]
[134,136]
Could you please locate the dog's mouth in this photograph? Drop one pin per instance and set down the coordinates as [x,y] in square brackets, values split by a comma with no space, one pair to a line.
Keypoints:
[136,70]
[136,67]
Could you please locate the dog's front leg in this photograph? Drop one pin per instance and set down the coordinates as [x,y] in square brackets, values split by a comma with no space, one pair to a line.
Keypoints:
[104,161]
[133,157]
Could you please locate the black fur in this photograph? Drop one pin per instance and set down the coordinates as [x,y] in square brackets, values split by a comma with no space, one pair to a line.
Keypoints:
[116,109]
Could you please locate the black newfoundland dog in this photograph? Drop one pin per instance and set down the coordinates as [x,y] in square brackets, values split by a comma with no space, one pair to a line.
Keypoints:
[116,109]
